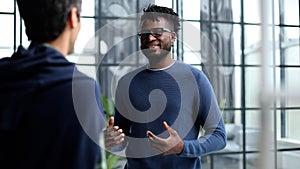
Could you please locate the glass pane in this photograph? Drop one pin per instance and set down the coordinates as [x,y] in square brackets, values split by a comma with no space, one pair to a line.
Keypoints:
[145,4]
[292,124]
[119,38]
[252,130]
[192,58]
[86,33]
[5,52]
[226,10]
[226,83]
[292,83]
[291,54]
[88,70]
[252,11]
[291,33]
[191,36]
[191,11]
[291,12]
[291,46]
[253,119]
[253,55]
[88,8]
[230,161]
[252,45]
[234,131]
[21,34]
[7,32]
[237,43]
[222,10]
[166,3]
[236,10]
[237,88]
[252,83]
[276,12]
[119,8]
[280,124]
[6,6]
[218,45]
[252,160]
[232,120]
[278,79]
[252,41]
[288,160]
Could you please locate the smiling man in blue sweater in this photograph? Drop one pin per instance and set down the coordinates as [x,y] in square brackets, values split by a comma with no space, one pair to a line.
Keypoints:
[162,106]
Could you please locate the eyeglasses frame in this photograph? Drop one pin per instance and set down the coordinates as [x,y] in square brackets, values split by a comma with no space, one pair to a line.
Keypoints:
[154,32]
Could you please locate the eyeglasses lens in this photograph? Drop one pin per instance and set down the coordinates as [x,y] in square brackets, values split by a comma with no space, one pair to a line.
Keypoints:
[156,33]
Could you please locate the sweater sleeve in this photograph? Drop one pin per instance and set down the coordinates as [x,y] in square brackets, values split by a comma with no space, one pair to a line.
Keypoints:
[210,118]
[120,107]
[119,119]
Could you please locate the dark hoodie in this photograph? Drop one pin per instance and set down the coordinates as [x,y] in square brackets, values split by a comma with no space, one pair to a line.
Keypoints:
[50,113]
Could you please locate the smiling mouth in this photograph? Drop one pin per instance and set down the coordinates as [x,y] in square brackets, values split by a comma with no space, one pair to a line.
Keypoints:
[153,46]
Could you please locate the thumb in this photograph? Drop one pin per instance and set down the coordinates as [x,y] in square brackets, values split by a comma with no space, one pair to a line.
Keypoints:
[111,121]
[168,128]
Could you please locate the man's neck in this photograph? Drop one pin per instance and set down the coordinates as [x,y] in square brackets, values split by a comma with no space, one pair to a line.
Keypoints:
[59,45]
[62,42]
[167,61]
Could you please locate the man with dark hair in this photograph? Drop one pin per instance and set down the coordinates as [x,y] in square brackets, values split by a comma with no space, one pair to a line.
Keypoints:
[50,113]
[162,106]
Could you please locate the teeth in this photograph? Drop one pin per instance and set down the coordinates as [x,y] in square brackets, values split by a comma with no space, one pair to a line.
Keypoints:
[153,46]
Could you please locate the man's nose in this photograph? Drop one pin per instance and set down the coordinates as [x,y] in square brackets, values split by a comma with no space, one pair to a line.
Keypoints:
[151,37]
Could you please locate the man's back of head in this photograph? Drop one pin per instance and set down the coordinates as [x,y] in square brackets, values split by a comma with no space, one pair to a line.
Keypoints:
[45,20]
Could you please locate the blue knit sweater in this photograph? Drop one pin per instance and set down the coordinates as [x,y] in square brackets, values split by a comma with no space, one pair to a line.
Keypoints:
[182,96]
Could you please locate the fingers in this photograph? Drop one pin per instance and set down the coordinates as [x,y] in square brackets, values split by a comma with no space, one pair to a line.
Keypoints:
[113,141]
[149,134]
[166,146]
[169,129]
[113,132]
[113,136]
[166,126]
[157,147]
[111,121]
[154,141]
[158,144]
[153,138]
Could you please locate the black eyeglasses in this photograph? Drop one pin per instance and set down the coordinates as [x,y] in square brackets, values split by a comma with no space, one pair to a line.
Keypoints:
[157,32]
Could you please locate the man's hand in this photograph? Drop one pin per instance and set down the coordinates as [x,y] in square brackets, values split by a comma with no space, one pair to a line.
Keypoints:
[171,145]
[113,134]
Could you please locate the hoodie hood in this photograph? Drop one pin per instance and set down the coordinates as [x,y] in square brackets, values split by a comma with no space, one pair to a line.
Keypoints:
[26,63]
[25,72]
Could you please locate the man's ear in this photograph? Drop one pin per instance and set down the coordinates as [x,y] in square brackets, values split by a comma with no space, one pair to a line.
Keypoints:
[74,17]
[173,36]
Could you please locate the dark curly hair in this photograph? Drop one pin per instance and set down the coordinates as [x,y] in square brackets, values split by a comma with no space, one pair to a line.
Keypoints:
[154,11]
[45,20]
